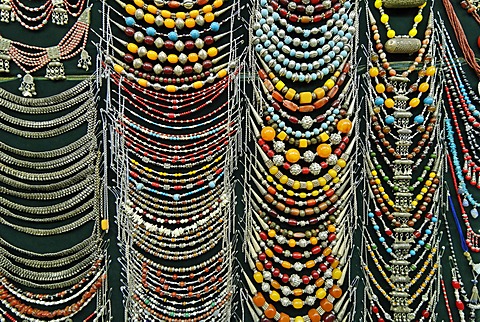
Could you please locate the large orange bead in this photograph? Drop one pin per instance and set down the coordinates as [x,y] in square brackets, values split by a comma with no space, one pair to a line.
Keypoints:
[258,299]
[326,305]
[344,126]
[284,318]
[335,291]
[314,315]
[268,133]
[270,311]
[324,150]
[292,155]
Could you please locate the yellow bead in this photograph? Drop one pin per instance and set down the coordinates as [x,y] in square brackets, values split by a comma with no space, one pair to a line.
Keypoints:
[194,14]
[292,155]
[275,296]
[190,22]
[414,102]
[139,3]
[279,85]
[209,17]
[152,55]
[329,83]
[142,82]
[171,88]
[152,9]
[378,4]
[324,136]
[222,73]
[258,277]
[292,243]
[324,150]
[282,135]
[165,14]
[149,18]
[181,15]
[130,9]
[218,3]
[418,18]
[322,181]
[299,319]
[290,94]
[212,52]
[192,57]
[133,48]
[305,98]
[374,173]
[118,68]
[315,193]
[269,252]
[313,241]
[283,179]
[373,72]
[380,88]
[310,264]
[319,92]
[273,170]
[296,185]
[423,87]
[321,293]
[309,185]
[207,8]
[297,303]
[336,274]
[286,265]
[389,102]
[290,193]
[341,163]
[172,58]
[268,133]
[413,32]
[391,33]
[384,18]
[332,173]
[414,203]
[432,175]
[104,224]
[391,203]
[302,143]
[302,195]
[430,71]
[197,84]
[271,233]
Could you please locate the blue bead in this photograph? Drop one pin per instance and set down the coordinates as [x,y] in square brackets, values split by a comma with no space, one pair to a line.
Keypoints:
[286,61]
[306,33]
[292,52]
[301,78]
[476,113]
[305,44]
[258,32]
[150,31]
[474,212]
[370,214]
[344,16]
[130,21]
[412,252]
[306,55]
[264,12]
[376,227]
[331,118]
[275,16]
[310,66]
[389,119]
[258,48]
[281,124]
[308,134]
[418,119]
[340,44]
[288,130]
[263,3]
[280,45]
[262,21]
[277,67]
[316,131]
[323,29]
[349,22]
[270,34]
[434,219]
[336,111]
[270,109]
[428,231]
[314,76]
[275,117]
[176,197]
[194,34]
[274,28]
[290,28]
[211,184]
[344,53]
[324,126]
[331,43]
[298,134]
[297,66]
[325,71]
[140,186]
[421,242]
[379,101]
[215,26]
[267,58]
[336,63]
[389,250]
[336,16]
[288,40]
[428,100]
[465,203]
[319,51]
[276,53]
[321,62]
[341,33]
[381,239]
[289,75]
[347,4]
[267,43]
[334,30]
[471,107]
[321,41]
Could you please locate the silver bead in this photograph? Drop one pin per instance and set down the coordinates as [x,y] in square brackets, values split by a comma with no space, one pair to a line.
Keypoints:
[295,169]
[178,70]
[309,156]
[335,138]
[278,160]
[157,69]
[295,280]
[159,42]
[138,36]
[182,58]
[139,14]
[307,122]
[332,159]
[285,301]
[137,63]
[179,45]
[315,168]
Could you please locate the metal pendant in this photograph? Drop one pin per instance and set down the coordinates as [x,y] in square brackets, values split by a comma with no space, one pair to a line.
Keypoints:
[85,60]
[401,45]
[55,69]
[4,56]
[6,13]
[59,15]
[399,4]
[27,86]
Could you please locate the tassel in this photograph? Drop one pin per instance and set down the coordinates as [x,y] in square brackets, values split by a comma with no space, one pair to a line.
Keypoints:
[27,86]
[6,13]
[59,15]
[474,298]
[85,60]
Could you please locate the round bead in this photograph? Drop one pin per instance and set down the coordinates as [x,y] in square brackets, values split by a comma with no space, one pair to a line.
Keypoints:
[297,303]
[344,126]
[292,155]
[324,150]
[268,133]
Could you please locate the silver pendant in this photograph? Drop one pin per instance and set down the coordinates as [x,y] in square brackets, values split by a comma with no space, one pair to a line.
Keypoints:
[27,86]
[6,13]
[399,4]
[59,14]
[85,60]
[403,45]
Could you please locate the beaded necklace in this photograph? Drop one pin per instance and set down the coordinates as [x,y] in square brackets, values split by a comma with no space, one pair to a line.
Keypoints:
[58,11]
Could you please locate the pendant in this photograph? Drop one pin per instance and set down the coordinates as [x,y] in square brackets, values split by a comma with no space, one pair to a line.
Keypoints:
[6,13]
[27,86]
[4,56]
[399,4]
[59,15]
[403,45]
[85,60]
[55,69]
